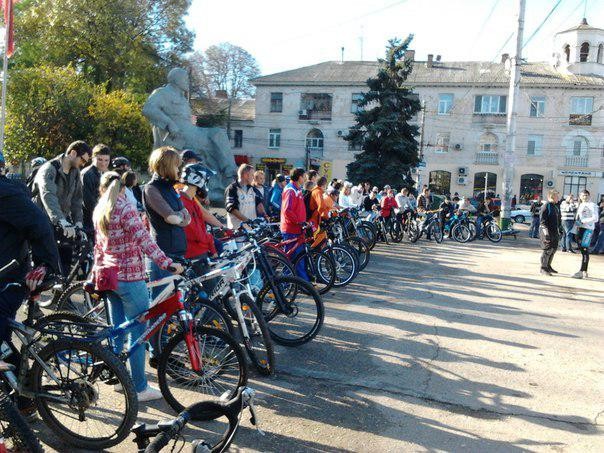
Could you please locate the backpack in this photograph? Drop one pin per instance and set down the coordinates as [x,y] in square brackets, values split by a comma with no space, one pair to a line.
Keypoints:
[29,182]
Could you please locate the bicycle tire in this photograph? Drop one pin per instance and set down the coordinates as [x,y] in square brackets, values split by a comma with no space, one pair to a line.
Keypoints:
[414,232]
[362,249]
[493,232]
[17,430]
[258,329]
[166,368]
[298,294]
[325,275]
[82,305]
[346,265]
[368,234]
[437,233]
[396,231]
[460,233]
[281,264]
[107,367]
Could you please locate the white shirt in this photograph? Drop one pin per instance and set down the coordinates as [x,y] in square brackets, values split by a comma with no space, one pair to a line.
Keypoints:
[588,215]
[346,201]
[402,201]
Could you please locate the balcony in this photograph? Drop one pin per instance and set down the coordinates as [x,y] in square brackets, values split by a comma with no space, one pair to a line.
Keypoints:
[577,161]
[489,118]
[314,115]
[579,120]
[487,158]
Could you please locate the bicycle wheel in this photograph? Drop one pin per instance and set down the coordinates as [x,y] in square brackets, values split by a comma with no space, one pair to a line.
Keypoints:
[307,310]
[324,275]
[460,233]
[258,345]
[493,232]
[84,411]
[473,231]
[413,231]
[346,264]
[223,368]
[76,300]
[396,231]
[368,234]
[15,433]
[437,232]
[280,264]
[362,249]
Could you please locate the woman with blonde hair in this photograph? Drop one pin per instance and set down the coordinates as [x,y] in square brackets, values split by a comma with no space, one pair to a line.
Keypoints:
[121,242]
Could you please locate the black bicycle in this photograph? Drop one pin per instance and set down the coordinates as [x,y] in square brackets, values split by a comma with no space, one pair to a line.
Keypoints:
[166,431]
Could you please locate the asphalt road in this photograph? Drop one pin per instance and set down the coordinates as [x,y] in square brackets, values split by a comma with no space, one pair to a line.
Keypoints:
[447,347]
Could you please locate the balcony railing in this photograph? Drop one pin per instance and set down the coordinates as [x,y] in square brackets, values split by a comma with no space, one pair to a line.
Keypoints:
[489,118]
[487,158]
[317,115]
[579,120]
[577,161]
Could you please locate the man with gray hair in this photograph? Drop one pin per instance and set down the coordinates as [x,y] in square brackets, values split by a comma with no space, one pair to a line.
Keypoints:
[241,199]
[549,231]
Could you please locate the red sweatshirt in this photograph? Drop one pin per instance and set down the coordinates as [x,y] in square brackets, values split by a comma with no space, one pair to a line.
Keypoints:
[199,241]
[293,210]
[388,204]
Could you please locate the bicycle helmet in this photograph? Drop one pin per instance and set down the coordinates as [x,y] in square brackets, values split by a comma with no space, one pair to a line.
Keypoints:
[37,162]
[119,162]
[196,175]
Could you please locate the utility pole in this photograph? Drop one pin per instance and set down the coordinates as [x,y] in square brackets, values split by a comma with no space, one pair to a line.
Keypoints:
[421,143]
[509,158]
[486,185]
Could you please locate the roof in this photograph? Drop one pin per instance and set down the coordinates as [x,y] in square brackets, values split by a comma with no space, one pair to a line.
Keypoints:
[448,73]
[582,26]
[241,109]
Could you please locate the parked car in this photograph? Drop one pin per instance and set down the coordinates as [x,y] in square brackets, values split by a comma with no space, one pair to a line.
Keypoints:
[520,215]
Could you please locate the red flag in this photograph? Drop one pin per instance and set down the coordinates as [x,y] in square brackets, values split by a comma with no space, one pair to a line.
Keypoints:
[7,5]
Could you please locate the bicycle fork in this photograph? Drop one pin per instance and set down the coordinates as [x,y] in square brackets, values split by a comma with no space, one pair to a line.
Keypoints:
[188,325]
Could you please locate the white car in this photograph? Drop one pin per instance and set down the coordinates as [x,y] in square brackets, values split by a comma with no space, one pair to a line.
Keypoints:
[520,215]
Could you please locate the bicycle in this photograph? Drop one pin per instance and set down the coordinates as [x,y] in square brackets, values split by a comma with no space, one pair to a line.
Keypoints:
[197,362]
[166,431]
[430,225]
[15,433]
[490,229]
[68,380]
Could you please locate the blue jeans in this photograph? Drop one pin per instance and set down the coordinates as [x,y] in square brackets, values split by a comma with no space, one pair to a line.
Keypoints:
[126,303]
[534,230]
[301,267]
[568,236]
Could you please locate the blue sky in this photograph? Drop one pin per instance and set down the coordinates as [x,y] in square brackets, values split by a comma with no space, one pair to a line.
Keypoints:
[288,34]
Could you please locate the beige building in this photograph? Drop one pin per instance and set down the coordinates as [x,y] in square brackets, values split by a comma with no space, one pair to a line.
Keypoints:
[302,114]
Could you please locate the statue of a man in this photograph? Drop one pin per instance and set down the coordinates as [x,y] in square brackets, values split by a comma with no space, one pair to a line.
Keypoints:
[169,112]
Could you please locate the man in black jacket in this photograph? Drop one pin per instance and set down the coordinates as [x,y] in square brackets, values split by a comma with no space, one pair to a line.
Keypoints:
[22,225]
[549,231]
[91,180]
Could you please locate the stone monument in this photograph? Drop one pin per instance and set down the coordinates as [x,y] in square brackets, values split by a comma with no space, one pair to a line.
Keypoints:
[169,112]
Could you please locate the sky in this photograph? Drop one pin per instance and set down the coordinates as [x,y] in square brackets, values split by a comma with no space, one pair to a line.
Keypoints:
[288,34]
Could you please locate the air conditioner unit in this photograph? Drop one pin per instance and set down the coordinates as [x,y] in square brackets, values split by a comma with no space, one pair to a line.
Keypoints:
[550,183]
[462,180]
[303,112]
[463,171]
[458,147]
[340,133]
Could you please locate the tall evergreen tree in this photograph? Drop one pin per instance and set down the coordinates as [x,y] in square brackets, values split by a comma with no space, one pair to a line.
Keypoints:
[389,147]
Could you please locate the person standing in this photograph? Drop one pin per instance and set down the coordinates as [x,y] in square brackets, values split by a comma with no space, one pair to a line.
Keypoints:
[514,202]
[91,180]
[122,241]
[241,199]
[261,188]
[57,190]
[535,210]
[276,193]
[549,231]
[316,201]
[293,215]
[568,212]
[587,216]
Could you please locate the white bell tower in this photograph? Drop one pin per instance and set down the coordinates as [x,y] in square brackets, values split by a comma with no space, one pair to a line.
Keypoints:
[579,50]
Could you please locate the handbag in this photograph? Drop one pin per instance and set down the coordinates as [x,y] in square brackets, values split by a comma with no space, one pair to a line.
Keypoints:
[105,278]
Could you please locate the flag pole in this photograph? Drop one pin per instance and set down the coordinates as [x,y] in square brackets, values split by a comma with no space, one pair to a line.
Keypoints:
[4,83]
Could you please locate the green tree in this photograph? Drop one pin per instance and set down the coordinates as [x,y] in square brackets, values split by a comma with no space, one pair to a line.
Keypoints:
[123,44]
[118,122]
[47,108]
[389,147]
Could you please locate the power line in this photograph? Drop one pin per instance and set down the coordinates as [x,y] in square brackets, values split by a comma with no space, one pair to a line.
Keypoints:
[541,24]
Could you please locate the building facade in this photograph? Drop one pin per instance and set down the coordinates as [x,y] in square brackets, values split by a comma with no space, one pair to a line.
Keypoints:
[302,115]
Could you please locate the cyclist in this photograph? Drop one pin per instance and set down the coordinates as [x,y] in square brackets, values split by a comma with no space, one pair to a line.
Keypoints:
[122,240]
[91,179]
[22,225]
[371,201]
[242,201]
[58,191]
[482,211]
[120,164]
[35,164]
[293,214]
[275,194]
[388,205]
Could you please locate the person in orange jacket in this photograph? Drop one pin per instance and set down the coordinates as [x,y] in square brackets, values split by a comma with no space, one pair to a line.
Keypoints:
[317,203]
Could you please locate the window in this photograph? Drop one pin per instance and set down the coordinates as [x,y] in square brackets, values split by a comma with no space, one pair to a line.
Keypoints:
[274,138]
[485,178]
[315,106]
[537,106]
[314,140]
[440,182]
[276,102]
[600,57]
[574,184]
[535,144]
[531,188]
[238,138]
[578,147]
[581,105]
[356,98]
[488,143]
[442,142]
[445,103]
[567,52]
[490,105]
[584,54]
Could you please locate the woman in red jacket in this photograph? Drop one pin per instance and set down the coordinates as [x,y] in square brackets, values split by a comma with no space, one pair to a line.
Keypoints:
[388,205]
